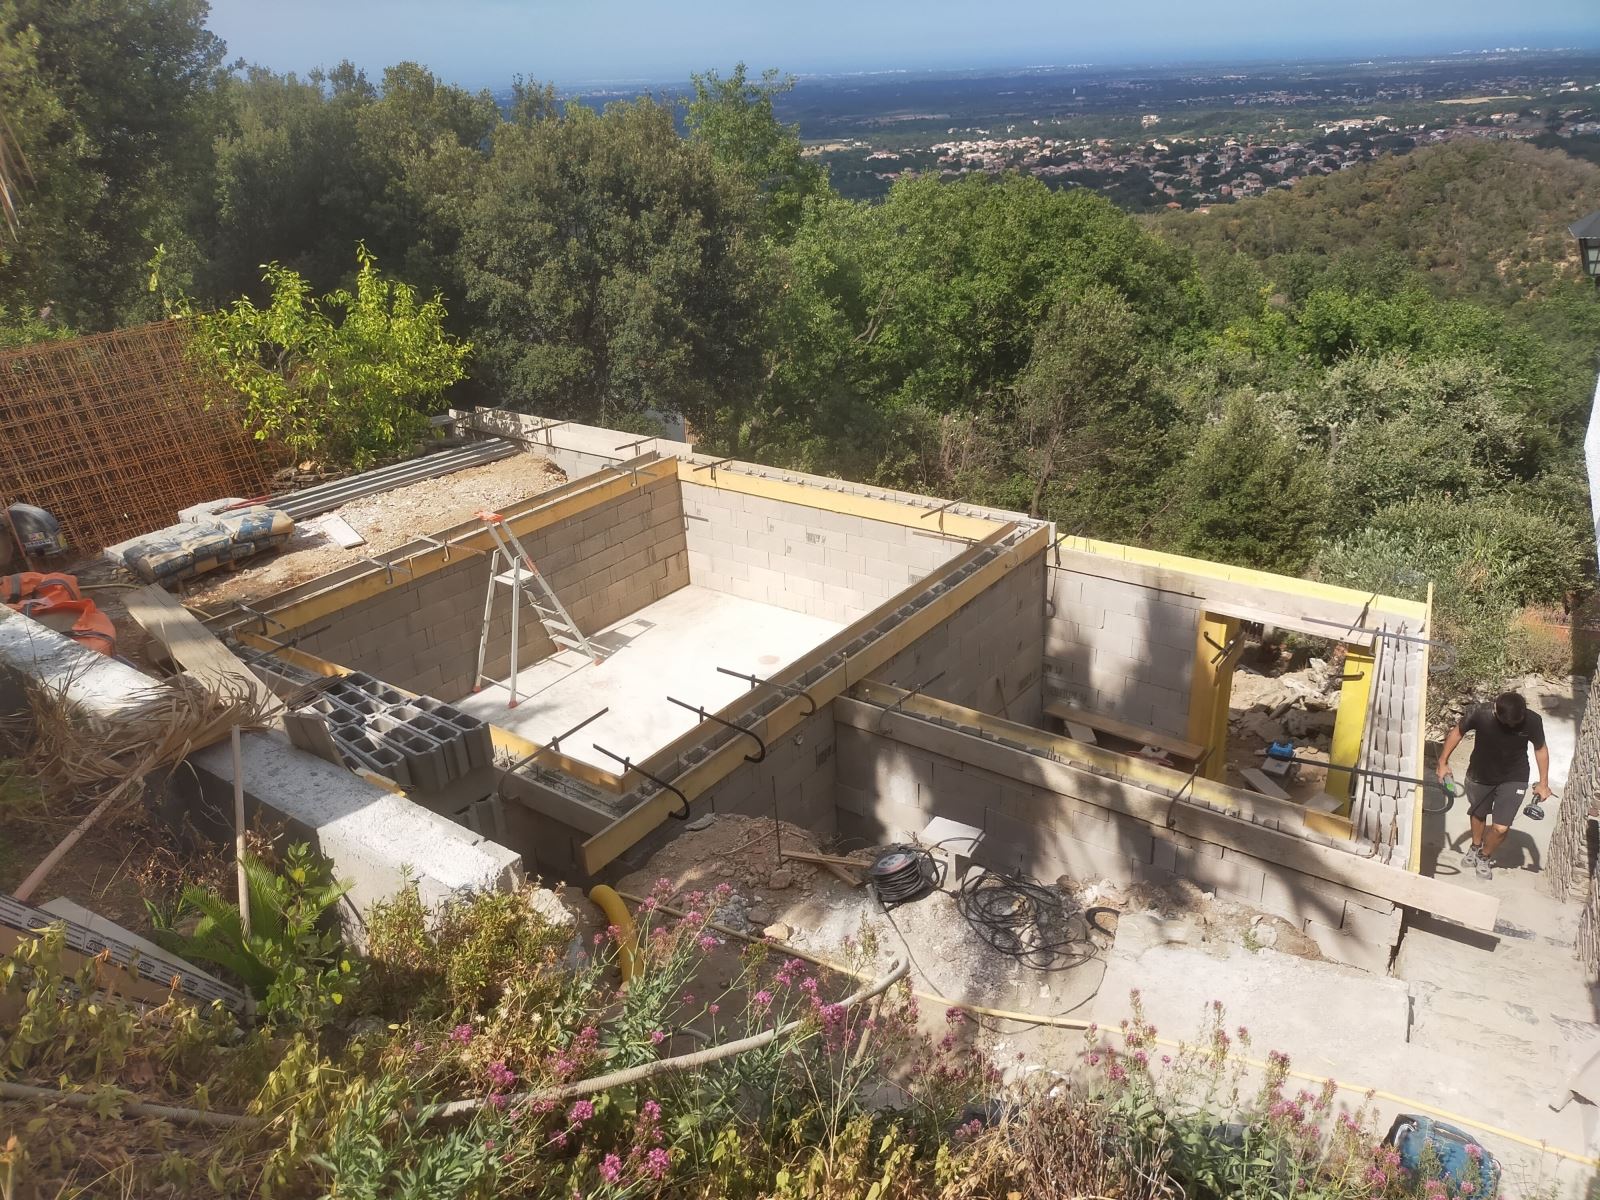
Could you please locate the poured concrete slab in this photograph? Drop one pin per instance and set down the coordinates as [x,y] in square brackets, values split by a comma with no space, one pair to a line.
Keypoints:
[670,648]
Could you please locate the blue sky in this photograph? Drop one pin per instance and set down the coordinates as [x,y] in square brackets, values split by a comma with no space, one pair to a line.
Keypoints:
[486,42]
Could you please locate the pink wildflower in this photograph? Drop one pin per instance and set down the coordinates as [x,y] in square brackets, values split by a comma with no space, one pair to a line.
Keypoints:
[657,1162]
[713,1009]
[651,1110]
[461,1034]
[657,1037]
[611,1168]
[762,999]
[580,1112]
[707,942]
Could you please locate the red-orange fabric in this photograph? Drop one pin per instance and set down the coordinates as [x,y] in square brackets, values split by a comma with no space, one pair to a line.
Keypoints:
[37,594]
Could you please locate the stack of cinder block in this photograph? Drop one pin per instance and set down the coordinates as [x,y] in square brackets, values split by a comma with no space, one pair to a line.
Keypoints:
[416,741]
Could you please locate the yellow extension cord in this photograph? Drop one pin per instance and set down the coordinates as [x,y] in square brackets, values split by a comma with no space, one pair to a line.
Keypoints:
[1409,1103]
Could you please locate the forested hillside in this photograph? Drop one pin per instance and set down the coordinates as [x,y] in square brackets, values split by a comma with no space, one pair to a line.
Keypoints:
[1379,377]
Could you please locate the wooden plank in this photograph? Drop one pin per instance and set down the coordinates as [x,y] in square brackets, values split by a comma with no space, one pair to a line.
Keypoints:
[1261,782]
[1133,768]
[1476,910]
[1063,711]
[836,859]
[191,644]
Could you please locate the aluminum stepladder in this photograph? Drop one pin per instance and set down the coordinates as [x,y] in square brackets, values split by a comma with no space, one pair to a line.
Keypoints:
[512,566]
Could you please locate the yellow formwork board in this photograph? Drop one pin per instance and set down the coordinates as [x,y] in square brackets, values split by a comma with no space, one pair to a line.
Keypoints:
[426,562]
[1350,723]
[1414,860]
[872,508]
[1210,686]
[1130,768]
[1247,576]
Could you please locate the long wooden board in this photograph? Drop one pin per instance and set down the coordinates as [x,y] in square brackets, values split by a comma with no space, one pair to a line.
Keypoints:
[191,645]
[1476,910]
[1063,711]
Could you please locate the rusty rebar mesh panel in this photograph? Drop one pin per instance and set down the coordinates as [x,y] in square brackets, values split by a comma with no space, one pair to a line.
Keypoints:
[113,434]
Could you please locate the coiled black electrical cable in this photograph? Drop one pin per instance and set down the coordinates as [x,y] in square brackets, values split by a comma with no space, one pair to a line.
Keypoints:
[901,874]
[1038,926]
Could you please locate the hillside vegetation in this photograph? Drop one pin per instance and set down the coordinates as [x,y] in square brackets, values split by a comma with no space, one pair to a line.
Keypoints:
[1379,377]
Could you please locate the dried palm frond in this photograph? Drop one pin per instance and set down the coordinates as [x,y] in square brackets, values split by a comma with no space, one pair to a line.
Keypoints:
[71,752]
[70,749]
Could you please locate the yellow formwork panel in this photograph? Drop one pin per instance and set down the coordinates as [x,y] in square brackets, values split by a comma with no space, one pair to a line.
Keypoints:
[1248,576]
[1351,723]
[1210,686]
[872,508]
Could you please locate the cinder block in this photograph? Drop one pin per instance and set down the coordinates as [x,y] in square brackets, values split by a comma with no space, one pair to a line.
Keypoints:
[1369,926]
[1234,878]
[1352,951]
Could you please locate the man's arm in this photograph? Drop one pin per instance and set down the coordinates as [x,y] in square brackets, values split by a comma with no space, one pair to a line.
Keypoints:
[1451,741]
[1542,788]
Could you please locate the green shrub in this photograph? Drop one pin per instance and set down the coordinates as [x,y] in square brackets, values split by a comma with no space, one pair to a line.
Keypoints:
[292,961]
[352,391]
[1248,494]
[1487,558]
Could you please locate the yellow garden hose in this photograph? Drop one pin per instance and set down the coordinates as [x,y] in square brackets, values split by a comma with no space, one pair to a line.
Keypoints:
[607,900]
[998,1014]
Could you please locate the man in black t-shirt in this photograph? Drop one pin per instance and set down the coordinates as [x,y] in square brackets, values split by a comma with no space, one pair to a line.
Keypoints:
[1497,773]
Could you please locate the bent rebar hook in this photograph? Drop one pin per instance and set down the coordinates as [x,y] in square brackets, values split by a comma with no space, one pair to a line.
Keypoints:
[700,712]
[682,814]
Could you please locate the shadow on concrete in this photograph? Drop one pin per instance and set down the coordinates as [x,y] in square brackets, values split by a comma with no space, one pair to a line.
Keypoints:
[613,640]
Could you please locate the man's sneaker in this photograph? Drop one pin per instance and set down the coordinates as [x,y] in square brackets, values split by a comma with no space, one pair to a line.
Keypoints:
[1485,868]
[1470,856]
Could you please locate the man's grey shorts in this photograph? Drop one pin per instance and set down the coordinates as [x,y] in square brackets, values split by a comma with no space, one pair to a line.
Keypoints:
[1496,803]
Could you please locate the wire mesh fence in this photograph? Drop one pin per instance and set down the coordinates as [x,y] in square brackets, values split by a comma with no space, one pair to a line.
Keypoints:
[115,432]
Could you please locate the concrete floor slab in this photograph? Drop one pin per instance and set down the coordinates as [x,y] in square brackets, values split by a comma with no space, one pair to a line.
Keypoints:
[671,647]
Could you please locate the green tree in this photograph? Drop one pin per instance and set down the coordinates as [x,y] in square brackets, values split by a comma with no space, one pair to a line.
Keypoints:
[353,391]
[925,306]
[1249,493]
[734,117]
[612,268]
[117,108]
[1090,420]
[1395,429]
[292,182]
[423,142]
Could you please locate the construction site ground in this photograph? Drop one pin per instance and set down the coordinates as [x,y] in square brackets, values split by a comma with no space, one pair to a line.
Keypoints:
[1488,1028]
[386,520]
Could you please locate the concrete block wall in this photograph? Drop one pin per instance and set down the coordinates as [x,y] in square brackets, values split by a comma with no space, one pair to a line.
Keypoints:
[888,791]
[990,650]
[796,778]
[1121,649]
[826,564]
[604,564]
[379,842]
[797,774]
